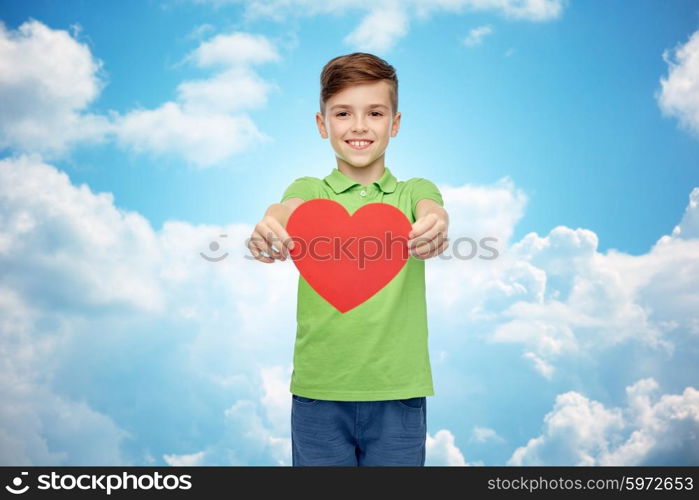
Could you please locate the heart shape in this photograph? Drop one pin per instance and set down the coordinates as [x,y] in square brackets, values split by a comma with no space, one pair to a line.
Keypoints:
[347,258]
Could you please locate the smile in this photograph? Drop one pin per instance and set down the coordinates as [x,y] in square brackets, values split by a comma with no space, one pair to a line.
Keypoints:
[359,144]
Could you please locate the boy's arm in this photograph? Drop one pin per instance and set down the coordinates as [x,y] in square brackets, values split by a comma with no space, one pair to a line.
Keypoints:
[282,211]
[429,236]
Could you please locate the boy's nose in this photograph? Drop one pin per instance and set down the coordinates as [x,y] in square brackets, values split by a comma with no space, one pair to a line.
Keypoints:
[359,125]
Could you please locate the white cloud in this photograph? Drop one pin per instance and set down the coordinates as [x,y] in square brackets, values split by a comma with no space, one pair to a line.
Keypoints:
[533,10]
[232,50]
[485,434]
[89,289]
[689,225]
[229,91]
[207,123]
[476,35]
[441,449]
[257,433]
[557,295]
[38,426]
[481,218]
[542,366]
[679,92]
[203,139]
[579,431]
[66,245]
[380,29]
[386,21]
[47,80]
[200,31]
[185,460]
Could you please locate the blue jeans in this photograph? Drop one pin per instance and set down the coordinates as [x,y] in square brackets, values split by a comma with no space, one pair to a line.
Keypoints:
[358,433]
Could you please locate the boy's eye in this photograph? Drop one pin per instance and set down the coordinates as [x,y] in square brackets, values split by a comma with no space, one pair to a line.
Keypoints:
[374,113]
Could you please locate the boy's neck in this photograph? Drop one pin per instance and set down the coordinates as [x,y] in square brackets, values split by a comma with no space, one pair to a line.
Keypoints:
[362,175]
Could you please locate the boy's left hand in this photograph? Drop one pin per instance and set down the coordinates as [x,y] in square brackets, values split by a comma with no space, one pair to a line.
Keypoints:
[428,237]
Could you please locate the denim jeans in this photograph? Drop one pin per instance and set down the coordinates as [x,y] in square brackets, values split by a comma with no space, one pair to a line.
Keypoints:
[358,433]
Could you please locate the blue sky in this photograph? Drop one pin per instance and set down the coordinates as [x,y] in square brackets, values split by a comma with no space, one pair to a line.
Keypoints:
[568,129]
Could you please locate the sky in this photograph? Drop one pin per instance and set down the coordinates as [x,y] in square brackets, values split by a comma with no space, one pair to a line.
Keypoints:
[135,134]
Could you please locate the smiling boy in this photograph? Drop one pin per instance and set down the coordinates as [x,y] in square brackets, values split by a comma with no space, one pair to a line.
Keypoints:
[360,378]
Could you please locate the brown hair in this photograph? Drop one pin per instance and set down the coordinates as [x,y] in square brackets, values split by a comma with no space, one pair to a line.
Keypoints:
[353,69]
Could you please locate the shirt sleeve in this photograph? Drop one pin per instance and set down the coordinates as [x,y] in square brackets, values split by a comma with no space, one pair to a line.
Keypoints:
[421,189]
[305,188]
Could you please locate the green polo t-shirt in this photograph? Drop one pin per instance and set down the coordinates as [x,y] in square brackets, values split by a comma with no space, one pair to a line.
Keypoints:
[379,349]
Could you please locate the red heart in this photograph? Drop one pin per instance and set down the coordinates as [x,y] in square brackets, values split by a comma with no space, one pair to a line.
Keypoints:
[347,258]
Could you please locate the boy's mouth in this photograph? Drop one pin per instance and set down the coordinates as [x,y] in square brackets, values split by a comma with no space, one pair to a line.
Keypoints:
[359,144]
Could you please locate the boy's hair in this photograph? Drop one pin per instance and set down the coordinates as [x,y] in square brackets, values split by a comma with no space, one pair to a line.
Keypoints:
[353,69]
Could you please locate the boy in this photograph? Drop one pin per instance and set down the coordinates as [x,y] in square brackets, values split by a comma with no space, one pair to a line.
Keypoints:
[360,378]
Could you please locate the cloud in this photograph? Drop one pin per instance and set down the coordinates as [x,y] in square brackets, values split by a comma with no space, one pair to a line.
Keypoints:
[385,22]
[380,29]
[579,431]
[441,450]
[257,432]
[679,92]
[111,329]
[476,35]
[207,123]
[485,434]
[689,225]
[190,460]
[48,81]
[200,31]
[556,295]
[234,50]
[201,138]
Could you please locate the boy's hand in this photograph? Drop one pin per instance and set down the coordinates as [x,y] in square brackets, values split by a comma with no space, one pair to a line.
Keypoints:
[429,236]
[270,236]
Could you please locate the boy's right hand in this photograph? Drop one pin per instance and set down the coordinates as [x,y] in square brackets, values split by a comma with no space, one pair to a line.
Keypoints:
[270,235]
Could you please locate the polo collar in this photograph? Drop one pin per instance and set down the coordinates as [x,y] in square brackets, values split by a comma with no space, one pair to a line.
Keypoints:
[339,182]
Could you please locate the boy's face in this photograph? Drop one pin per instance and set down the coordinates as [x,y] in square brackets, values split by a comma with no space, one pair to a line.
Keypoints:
[350,114]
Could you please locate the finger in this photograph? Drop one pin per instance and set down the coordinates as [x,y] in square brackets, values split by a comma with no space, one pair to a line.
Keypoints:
[430,246]
[439,226]
[437,250]
[270,250]
[433,233]
[434,252]
[274,242]
[259,254]
[423,224]
[282,237]
[424,245]
[429,232]
[268,242]
[256,252]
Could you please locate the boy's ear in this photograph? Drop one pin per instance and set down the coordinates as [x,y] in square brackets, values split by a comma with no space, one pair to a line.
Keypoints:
[320,121]
[396,124]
